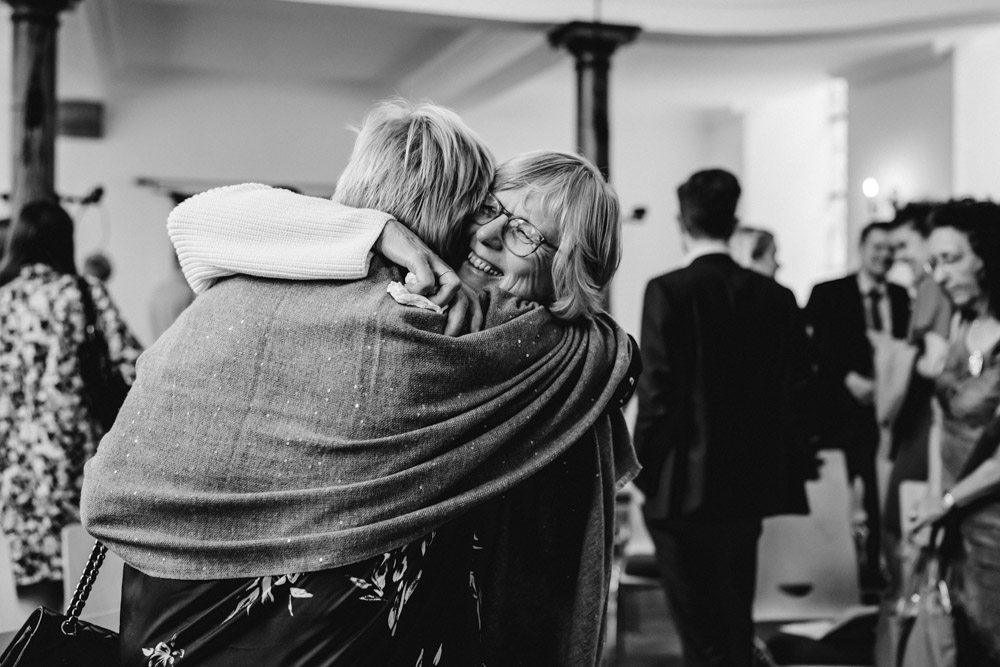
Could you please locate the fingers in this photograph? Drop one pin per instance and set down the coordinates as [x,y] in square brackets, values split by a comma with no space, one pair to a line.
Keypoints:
[456,317]
[476,309]
[448,284]
[401,246]
[424,282]
[465,314]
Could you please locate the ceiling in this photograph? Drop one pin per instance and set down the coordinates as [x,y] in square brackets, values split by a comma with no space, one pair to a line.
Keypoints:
[704,53]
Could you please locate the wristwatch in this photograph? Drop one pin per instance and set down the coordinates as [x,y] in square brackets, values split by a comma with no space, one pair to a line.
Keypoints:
[947,502]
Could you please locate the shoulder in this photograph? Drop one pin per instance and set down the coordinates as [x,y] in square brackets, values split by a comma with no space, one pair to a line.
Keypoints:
[672,279]
[835,287]
[844,282]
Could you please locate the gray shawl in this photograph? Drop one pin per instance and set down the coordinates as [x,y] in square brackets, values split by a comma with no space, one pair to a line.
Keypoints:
[296,426]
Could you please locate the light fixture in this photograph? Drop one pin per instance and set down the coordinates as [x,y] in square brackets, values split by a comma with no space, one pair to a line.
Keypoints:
[870,187]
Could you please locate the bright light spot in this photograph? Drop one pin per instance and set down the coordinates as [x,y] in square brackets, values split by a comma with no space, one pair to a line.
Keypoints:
[870,187]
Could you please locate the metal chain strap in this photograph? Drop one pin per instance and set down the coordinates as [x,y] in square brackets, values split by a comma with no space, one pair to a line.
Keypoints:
[83,588]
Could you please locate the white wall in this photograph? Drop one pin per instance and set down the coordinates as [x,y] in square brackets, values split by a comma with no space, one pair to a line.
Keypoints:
[976,111]
[900,134]
[790,177]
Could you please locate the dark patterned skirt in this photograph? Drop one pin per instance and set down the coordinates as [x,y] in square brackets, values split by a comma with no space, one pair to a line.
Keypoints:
[415,606]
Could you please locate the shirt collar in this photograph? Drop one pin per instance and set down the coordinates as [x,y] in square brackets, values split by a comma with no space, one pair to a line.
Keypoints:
[701,247]
[866,284]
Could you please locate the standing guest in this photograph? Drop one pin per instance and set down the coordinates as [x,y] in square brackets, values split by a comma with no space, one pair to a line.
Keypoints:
[965,254]
[4,231]
[718,434]
[756,250]
[904,394]
[47,431]
[841,313]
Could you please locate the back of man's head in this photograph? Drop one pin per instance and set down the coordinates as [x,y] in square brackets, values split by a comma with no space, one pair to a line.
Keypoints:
[708,204]
[422,164]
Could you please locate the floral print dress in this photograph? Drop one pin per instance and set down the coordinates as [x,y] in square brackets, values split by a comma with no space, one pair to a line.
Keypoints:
[415,606]
[46,431]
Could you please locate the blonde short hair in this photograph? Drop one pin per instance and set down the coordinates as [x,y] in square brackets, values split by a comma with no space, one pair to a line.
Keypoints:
[571,191]
[423,165]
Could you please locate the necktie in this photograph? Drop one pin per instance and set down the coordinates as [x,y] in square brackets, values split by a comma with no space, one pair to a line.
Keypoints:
[874,297]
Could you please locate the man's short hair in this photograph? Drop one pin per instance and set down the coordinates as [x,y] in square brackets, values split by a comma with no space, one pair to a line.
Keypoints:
[916,215]
[877,226]
[422,164]
[708,203]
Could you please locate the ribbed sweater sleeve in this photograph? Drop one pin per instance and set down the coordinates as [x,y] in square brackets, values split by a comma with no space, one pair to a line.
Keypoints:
[258,230]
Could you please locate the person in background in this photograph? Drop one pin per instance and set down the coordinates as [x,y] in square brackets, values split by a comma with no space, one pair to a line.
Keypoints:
[4,231]
[47,432]
[718,430]
[169,298]
[903,393]
[756,250]
[840,314]
[965,256]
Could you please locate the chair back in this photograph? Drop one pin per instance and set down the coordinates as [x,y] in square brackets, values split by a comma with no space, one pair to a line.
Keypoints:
[807,567]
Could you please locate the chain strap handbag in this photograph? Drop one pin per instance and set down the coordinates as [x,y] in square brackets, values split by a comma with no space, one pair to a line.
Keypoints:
[51,639]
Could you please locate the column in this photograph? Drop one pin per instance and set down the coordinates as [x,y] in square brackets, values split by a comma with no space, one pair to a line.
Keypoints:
[33,117]
[592,45]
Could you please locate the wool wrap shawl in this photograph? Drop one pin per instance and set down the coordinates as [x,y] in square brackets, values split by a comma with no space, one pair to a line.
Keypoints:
[297,426]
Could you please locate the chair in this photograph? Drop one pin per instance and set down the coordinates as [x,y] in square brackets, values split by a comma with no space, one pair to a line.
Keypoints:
[821,580]
[104,603]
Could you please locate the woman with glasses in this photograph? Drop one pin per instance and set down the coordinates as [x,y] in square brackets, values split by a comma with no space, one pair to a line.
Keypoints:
[538,234]
[312,474]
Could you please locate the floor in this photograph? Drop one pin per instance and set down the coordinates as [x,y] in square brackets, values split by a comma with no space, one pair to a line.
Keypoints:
[649,640]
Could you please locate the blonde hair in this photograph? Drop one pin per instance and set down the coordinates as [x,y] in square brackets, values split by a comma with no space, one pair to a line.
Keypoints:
[423,165]
[573,193]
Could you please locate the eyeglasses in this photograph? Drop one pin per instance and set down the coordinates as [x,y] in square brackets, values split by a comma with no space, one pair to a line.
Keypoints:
[519,236]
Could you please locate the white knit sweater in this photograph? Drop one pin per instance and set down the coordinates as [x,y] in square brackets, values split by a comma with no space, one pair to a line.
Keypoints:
[262,231]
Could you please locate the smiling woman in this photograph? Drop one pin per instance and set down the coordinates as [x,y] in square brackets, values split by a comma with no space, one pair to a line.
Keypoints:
[548,232]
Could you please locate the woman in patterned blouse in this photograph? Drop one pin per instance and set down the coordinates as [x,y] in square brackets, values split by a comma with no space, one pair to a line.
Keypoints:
[46,430]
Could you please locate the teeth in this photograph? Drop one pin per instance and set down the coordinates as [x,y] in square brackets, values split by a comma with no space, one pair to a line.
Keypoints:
[483,265]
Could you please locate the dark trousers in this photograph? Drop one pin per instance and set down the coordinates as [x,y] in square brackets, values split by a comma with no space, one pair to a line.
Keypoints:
[709,572]
[860,458]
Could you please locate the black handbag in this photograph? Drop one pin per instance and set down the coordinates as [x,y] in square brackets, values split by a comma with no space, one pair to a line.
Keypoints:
[931,641]
[51,639]
[104,387]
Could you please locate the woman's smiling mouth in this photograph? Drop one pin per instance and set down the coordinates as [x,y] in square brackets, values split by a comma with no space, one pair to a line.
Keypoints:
[478,262]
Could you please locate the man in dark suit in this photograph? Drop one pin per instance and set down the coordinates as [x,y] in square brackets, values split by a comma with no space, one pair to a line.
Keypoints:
[840,314]
[718,431]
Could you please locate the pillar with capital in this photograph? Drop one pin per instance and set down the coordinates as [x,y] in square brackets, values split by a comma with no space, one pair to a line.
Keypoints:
[592,45]
[33,112]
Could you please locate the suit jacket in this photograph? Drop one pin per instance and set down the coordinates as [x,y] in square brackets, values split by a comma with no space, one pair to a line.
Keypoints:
[719,430]
[836,315]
